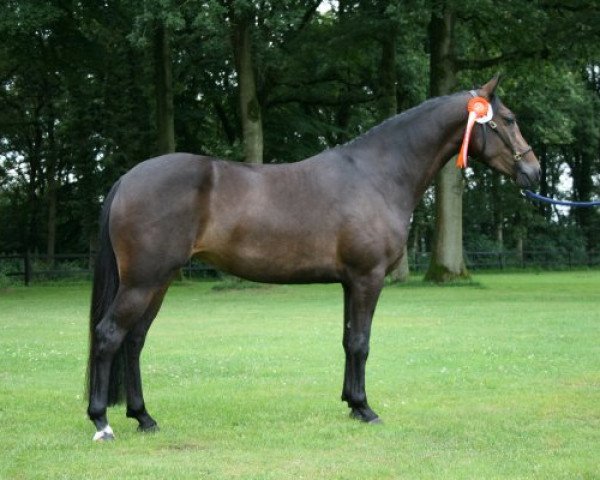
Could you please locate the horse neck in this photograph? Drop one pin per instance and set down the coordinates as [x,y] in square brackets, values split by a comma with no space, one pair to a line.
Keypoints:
[408,150]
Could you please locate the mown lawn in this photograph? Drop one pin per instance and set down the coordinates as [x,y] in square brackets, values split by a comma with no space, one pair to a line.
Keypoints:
[499,379]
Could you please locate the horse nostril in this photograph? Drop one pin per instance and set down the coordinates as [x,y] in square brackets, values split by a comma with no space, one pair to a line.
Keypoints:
[527,175]
[535,174]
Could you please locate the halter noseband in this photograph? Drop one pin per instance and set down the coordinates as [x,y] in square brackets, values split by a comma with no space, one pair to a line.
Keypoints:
[517,156]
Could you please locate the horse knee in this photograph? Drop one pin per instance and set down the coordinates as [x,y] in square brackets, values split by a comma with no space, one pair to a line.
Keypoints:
[357,344]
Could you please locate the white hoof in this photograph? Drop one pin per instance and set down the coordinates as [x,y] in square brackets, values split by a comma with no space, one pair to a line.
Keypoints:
[104,435]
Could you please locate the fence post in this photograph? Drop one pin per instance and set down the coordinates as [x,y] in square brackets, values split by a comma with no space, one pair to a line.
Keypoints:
[27,265]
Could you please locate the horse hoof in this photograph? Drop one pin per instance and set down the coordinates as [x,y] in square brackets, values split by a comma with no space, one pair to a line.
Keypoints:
[104,435]
[365,416]
[148,428]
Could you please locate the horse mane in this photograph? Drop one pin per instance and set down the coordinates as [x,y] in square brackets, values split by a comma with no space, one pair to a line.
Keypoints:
[407,116]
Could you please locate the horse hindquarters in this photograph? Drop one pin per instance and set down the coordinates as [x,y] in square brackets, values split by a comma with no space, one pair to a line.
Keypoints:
[120,317]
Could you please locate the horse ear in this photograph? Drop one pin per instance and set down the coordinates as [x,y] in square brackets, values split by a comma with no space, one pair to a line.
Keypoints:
[489,88]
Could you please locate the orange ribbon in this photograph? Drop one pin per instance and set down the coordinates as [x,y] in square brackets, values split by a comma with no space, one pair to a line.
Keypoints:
[478,108]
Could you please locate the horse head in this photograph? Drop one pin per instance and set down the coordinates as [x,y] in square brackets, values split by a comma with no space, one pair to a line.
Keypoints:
[500,144]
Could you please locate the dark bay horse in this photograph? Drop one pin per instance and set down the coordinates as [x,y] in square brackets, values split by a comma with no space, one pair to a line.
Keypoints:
[340,216]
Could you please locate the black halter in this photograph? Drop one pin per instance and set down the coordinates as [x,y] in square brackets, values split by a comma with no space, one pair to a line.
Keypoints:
[517,156]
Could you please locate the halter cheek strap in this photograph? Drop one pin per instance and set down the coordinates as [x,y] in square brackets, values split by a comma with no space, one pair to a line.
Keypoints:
[517,156]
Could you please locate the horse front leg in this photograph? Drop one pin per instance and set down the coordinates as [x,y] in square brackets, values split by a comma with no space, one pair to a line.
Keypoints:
[360,299]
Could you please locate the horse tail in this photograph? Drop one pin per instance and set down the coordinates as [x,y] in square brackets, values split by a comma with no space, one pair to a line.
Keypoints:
[104,290]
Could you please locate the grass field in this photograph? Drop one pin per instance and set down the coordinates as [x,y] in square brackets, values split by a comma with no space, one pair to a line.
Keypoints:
[498,379]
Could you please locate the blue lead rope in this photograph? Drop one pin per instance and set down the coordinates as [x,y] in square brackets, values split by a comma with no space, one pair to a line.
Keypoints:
[565,203]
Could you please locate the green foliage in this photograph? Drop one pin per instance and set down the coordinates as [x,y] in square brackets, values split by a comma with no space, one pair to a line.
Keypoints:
[77,106]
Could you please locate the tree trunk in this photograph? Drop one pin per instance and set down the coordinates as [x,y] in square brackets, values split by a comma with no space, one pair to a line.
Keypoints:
[497,212]
[35,160]
[250,109]
[447,261]
[519,248]
[51,172]
[163,84]
[388,107]
[583,185]
[51,199]
[543,207]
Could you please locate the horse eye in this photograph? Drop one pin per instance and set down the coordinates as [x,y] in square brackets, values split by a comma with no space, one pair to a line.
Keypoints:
[509,120]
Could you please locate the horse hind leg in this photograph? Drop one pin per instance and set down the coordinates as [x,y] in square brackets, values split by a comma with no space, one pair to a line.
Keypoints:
[126,310]
[134,342]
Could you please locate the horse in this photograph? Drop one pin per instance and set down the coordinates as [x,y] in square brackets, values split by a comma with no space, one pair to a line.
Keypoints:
[341,216]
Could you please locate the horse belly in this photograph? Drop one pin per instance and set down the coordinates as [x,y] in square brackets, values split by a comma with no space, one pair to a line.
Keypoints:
[271,255]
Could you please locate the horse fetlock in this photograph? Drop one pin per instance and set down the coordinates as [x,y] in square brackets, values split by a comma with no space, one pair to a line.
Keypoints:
[97,415]
[146,422]
[355,399]
[135,412]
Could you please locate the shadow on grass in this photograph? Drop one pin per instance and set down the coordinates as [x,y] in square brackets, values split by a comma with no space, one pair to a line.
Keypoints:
[232,283]
[418,282]
[235,283]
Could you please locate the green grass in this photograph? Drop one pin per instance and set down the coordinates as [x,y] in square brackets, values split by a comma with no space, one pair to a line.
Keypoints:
[497,380]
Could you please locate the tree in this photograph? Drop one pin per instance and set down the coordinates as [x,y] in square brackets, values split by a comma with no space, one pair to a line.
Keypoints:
[447,261]
[242,19]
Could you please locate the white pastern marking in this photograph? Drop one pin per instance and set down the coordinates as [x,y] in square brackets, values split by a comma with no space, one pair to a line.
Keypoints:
[100,434]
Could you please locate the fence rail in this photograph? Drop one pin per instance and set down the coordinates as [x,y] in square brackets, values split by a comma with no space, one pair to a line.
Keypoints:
[555,259]
[75,266]
[34,267]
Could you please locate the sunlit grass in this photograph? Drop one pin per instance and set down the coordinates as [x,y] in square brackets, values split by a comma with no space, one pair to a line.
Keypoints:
[500,379]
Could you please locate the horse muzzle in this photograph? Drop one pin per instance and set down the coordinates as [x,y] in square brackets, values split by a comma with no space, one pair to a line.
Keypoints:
[527,172]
